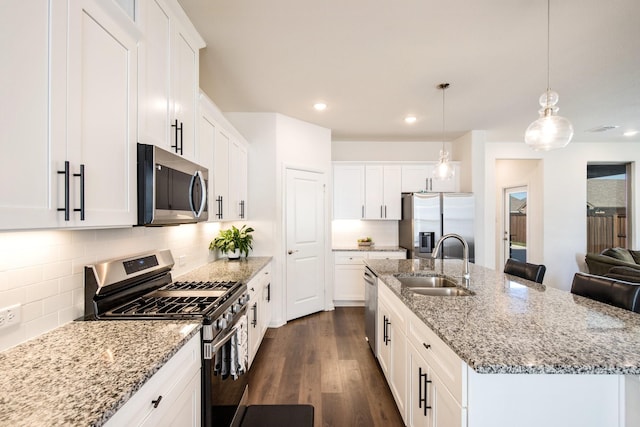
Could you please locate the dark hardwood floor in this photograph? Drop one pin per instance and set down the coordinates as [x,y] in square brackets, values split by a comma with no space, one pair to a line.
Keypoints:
[324,360]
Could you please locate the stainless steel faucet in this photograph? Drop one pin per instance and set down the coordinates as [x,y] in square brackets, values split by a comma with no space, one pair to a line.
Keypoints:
[465,254]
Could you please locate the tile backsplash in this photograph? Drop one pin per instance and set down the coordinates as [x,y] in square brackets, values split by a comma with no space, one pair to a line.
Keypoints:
[44,270]
[345,233]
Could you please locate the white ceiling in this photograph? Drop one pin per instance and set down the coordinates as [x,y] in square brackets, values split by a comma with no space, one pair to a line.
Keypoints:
[375,61]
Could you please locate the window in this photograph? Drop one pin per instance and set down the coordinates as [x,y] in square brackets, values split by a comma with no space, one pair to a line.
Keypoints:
[607,206]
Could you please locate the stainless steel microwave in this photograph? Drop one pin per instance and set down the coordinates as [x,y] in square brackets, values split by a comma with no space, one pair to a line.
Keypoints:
[171,189]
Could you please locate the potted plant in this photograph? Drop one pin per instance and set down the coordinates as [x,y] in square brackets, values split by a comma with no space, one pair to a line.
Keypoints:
[233,241]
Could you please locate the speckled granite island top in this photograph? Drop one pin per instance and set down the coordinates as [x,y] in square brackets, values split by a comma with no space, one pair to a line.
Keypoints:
[513,325]
[81,373]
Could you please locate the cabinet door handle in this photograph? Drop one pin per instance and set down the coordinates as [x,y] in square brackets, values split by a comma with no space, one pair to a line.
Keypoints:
[81,176]
[362,211]
[423,381]
[219,202]
[242,209]
[381,212]
[181,138]
[157,401]
[175,135]
[254,322]
[385,211]
[65,172]
[269,292]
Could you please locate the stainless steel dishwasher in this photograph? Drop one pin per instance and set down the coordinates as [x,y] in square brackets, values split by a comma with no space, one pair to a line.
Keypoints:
[371,306]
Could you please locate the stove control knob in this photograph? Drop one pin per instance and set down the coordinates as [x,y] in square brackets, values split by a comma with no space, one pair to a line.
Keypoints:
[222,323]
[235,307]
[228,317]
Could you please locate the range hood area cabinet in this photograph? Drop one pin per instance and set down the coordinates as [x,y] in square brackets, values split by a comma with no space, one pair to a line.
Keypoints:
[168,78]
[225,152]
[372,190]
[69,143]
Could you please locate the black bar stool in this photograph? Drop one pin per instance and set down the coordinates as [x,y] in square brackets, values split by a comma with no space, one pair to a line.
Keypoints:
[607,290]
[533,272]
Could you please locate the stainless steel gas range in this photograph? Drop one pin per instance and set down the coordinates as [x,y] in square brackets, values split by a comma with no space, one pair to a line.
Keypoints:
[140,287]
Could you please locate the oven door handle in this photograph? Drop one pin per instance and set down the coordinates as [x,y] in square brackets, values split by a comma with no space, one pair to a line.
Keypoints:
[224,340]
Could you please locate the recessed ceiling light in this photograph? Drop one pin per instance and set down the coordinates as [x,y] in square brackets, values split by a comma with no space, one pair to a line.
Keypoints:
[410,119]
[320,106]
[631,133]
[602,128]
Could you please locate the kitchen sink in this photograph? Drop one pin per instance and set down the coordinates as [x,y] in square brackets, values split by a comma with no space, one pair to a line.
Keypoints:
[426,282]
[433,285]
[442,292]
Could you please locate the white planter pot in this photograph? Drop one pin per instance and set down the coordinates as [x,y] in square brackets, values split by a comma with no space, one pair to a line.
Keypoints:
[234,255]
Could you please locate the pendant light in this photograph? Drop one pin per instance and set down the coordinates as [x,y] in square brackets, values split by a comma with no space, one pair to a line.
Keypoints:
[444,170]
[550,131]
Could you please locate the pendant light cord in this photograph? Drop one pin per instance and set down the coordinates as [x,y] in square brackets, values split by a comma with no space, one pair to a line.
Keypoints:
[443,86]
[548,45]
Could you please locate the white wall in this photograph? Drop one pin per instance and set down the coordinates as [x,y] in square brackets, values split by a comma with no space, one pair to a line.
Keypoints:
[387,151]
[277,142]
[44,270]
[564,201]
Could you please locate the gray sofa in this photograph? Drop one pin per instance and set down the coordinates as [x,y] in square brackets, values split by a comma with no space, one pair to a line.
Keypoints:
[600,264]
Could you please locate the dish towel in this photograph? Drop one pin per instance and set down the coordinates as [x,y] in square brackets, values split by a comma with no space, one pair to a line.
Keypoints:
[232,358]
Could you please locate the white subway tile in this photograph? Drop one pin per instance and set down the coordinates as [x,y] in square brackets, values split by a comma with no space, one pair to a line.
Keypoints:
[41,325]
[24,276]
[56,270]
[56,303]
[12,296]
[68,315]
[73,282]
[12,336]
[32,311]
[41,290]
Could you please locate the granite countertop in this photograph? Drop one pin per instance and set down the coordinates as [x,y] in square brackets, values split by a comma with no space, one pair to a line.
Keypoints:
[511,325]
[372,248]
[81,373]
[242,270]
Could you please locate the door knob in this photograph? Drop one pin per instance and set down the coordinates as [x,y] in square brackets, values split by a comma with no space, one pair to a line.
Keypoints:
[290,251]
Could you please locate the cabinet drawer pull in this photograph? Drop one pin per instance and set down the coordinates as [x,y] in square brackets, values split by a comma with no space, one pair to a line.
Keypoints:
[157,401]
[427,346]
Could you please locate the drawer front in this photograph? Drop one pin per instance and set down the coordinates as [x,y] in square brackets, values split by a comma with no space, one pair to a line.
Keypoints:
[388,255]
[446,364]
[346,258]
[397,310]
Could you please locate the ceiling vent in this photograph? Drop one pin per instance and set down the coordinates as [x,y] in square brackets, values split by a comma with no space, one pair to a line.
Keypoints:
[602,128]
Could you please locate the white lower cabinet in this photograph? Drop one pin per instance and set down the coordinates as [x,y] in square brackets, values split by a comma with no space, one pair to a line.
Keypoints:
[171,397]
[348,288]
[392,348]
[429,403]
[259,314]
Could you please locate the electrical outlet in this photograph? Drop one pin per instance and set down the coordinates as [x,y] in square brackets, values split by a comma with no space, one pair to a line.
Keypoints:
[9,316]
[13,314]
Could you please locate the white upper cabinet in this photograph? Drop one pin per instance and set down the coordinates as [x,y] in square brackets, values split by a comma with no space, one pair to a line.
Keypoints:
[101,122]
[169,77]
[348,191]
[71,84]
[227,161]
[419,177]
[383,192]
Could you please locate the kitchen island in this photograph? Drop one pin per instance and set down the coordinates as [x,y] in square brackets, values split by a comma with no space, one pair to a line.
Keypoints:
[525,345]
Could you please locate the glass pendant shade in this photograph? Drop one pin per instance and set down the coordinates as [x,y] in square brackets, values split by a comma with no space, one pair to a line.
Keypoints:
[444,170]
[550,131]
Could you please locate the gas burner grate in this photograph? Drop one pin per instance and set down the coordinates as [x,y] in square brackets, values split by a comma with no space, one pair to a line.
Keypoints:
[199,285]
[152,306]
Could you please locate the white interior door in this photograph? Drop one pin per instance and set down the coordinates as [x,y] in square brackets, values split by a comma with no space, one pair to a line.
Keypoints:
[305,229]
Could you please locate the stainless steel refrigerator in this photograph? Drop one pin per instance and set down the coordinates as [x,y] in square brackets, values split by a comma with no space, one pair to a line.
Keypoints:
[428,216]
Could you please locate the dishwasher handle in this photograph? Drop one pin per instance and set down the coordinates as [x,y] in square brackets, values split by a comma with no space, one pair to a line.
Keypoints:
[369,277]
